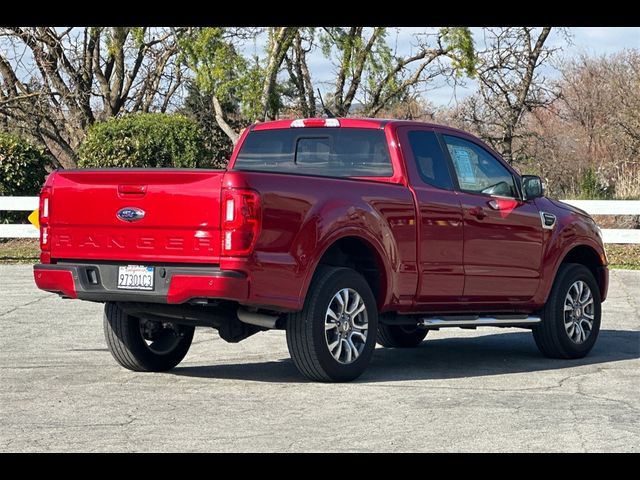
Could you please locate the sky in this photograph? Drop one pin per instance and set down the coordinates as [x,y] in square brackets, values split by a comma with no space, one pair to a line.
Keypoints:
[590,40]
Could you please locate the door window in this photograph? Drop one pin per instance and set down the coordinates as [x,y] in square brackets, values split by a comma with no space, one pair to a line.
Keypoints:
[477,170]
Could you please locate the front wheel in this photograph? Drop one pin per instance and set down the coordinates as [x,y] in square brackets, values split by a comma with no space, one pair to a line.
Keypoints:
[333,337]
[142,345]
[571,317]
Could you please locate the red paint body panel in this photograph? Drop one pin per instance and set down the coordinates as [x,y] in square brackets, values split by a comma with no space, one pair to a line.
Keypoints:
[433,255]
[440,235]
[502,251]
[302,216]
[59,281]
[572,230]
[186,287]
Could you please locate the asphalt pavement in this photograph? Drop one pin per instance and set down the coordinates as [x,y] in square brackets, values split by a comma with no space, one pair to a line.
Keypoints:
[461,390]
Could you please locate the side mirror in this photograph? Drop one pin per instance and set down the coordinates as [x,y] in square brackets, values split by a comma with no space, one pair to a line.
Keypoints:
[532,187]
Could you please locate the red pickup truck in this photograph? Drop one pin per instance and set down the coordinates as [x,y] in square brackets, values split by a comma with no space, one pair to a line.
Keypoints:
[343,232]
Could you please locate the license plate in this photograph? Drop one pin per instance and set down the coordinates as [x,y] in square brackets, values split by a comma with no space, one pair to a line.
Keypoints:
[135,277]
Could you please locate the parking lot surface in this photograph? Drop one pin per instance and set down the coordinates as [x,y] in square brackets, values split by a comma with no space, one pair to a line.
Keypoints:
[461,390]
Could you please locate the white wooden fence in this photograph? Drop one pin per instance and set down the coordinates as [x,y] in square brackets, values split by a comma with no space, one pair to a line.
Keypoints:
[593,207]
[612,207]
[22,204]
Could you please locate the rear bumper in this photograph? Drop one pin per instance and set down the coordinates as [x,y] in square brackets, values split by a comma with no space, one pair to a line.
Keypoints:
[172,284]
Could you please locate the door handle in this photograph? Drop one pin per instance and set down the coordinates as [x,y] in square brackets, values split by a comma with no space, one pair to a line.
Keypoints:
[477,212]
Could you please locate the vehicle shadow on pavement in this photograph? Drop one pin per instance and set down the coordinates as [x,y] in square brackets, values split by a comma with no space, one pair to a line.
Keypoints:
[495,354]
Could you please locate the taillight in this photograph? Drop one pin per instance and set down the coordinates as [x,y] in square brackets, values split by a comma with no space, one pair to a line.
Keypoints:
[240,221]
[44,211]
[45,197]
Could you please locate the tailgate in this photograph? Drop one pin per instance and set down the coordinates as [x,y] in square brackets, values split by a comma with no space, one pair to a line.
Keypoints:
[151,216]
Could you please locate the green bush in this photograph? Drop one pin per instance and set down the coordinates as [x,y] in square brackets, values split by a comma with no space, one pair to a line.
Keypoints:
[144,140]
[22,172]
[591,188]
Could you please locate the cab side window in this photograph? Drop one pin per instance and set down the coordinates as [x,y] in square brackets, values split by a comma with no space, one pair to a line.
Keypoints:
[477,170]
[432,165]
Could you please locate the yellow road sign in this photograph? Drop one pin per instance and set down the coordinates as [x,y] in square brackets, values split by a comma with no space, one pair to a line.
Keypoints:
[34,218]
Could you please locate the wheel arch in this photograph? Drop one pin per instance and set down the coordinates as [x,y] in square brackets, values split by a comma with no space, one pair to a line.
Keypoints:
[587,255]
[362,254]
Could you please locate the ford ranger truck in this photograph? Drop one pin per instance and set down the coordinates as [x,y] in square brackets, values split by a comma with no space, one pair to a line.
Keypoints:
[342,232]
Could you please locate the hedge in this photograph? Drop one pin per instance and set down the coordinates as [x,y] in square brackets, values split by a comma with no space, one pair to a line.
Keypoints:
[22,172]
[144,140]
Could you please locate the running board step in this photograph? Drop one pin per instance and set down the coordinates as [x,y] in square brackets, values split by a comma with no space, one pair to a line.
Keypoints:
[497,321]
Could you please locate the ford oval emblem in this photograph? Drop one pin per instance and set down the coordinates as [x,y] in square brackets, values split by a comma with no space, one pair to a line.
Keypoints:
[130,214]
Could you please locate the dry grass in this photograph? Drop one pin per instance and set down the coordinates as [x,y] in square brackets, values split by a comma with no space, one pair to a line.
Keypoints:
[19,250]
[626,182]
[624,256]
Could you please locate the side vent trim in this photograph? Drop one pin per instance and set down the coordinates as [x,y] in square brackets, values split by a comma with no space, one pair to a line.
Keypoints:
[548,220]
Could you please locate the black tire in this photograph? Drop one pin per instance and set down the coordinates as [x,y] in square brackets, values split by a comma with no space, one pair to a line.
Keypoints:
[306,339]
[550,335]
[400,336]
[128,346]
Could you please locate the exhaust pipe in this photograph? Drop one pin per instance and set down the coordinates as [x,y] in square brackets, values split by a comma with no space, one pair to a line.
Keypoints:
[259,319]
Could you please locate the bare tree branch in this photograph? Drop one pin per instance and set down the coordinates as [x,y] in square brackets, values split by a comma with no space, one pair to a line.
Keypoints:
[510,84]
[55,83]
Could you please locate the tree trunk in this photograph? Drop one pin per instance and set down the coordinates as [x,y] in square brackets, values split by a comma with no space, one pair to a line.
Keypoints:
[222,122]
[507,149]
[281,42]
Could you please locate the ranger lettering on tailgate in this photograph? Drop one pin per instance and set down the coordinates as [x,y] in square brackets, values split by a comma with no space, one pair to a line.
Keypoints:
[140,242]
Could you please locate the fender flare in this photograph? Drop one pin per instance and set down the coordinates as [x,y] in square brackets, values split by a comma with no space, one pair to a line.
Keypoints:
[366,237]
[581,241]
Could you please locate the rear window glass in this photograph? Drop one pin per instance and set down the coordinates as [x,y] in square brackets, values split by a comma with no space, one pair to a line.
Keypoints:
[331,152]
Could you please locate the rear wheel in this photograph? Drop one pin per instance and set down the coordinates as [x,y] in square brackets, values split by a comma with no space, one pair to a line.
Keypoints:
[142,345]
[333,337]
[571,318]
[400,336]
